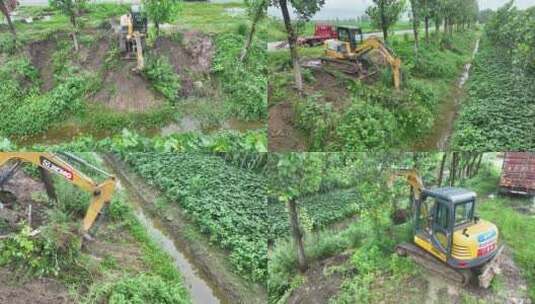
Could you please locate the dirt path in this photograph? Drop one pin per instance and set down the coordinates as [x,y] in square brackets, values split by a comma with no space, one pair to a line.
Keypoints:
[282,134]
[206,263]
[439,138]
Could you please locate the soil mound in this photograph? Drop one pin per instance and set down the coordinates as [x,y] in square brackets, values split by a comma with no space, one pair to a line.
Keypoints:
[36,291]
[192,57]
[127,91]
[41,57]
[283,136]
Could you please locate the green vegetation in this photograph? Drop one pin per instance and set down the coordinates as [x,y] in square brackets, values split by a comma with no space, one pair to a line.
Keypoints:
[231,210]
[318,211]
[162,76]
[499,112]
[245,83]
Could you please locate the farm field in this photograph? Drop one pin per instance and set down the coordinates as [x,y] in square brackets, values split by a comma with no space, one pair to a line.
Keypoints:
[354,261]
[193,81]
[164,238]
[465,86]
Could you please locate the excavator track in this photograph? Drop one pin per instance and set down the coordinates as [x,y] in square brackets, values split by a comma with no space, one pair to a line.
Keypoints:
[429,262]
[346,66]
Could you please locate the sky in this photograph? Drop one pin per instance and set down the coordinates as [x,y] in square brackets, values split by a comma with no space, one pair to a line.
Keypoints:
[350,9]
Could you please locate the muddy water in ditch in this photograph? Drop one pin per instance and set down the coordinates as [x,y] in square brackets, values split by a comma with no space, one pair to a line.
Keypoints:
[199,287]
[69,130]
[440,135]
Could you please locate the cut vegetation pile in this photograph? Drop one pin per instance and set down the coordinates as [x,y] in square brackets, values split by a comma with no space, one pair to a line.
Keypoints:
[227,203]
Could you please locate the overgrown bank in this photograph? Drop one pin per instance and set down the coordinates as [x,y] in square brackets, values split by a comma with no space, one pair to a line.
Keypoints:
[60,93]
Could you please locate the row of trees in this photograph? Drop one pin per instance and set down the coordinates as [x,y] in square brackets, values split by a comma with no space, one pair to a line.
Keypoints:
[512,30]
[445,13]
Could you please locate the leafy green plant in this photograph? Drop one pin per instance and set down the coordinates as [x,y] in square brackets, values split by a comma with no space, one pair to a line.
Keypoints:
[163,77]
[244,83]
[139,289]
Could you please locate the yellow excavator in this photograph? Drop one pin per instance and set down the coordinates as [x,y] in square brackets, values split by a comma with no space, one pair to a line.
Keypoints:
[101,193]
[133,30]
[349,49]
[448,237]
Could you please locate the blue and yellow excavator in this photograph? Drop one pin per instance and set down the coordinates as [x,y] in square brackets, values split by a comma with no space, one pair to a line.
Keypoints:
[448,237]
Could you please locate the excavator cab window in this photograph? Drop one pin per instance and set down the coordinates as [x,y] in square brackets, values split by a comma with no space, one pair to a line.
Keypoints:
[139,20]
[464,213]
[351,35]
[441,225]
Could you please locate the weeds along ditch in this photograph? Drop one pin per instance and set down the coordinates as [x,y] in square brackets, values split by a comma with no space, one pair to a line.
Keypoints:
[371,113]
[46,84]
[122,265]
[227,203]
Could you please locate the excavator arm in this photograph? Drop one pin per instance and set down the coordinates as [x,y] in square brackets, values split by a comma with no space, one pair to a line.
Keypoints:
[101,192]
[374,43]
[413,179]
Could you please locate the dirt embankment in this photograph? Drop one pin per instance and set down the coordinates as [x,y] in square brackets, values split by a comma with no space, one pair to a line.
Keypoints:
[321,282]
[191,58]
[35,291]
[40,53]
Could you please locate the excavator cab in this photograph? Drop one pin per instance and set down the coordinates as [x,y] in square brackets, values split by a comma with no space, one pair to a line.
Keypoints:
[139,20]
[446,228]
[351,35]
[452,232]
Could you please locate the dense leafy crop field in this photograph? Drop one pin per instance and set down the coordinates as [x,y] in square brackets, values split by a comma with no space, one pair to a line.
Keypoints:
[227,203]
[316,211]
[499,112]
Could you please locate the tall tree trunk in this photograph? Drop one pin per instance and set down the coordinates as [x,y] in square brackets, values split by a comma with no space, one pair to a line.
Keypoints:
[476,171]
[258,14]
[383,21]
[296,235]
[4,10]
[453,170]
[426,29]
[441,172]
[74,39]
[292,41]
[415,26]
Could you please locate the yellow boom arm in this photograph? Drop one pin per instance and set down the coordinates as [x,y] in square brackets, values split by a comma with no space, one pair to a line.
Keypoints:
[374,43]
[413,179]
[101,193]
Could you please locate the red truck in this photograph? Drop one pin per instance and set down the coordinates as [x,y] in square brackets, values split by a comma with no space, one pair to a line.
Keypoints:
[518,173]
[322,32]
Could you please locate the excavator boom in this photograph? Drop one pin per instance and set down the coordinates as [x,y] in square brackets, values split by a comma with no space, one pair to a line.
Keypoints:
[101,192]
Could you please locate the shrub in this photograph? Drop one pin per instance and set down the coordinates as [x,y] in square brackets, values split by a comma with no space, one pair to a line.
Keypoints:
[244,83]
[139,289]
[163,77]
